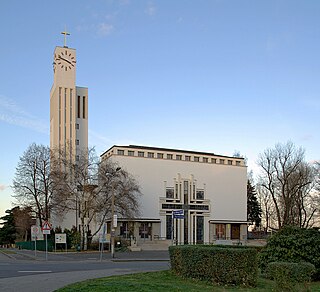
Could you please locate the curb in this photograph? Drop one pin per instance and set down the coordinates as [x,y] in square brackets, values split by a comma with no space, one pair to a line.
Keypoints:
[10,256]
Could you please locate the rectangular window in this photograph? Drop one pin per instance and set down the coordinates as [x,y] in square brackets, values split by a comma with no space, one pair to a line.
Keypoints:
[140,153]
[187,158]
[200,194]
[159,155]
[77,126]
[221,161]
[78,106]
[77,142]
[186,192]
[213,160]
[238,163]
[179,157]
[84,107]
[205,159]
[169,156]
[229,162]
[145,230]
[200,228]
[150,155]
[130,153]
[120,152]
[77,158]
[168,226]
[221,231]
[169,193]
[196,158]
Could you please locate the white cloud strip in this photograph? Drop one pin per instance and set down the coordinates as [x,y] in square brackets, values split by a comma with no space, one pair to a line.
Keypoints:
[12,114]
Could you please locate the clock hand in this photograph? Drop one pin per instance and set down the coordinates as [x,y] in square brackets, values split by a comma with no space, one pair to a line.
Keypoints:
[66,61]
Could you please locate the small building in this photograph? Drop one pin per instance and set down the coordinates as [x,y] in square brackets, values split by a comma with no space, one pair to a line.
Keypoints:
[208,189]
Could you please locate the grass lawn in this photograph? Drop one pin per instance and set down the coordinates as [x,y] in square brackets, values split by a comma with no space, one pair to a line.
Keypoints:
[3,250]
[164,281]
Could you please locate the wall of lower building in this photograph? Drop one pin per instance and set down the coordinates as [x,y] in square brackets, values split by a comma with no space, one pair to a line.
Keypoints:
[224,186]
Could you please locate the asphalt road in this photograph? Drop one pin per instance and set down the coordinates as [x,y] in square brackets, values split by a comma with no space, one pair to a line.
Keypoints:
[22,271]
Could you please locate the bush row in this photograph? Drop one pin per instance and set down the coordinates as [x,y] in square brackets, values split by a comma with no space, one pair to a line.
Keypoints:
[221,265]
[287,275]
[293,244]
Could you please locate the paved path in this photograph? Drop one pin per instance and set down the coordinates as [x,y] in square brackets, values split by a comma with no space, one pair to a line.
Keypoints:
[124,263]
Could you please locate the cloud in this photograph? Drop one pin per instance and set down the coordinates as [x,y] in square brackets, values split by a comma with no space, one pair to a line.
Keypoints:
[13,114]
[180,19]
[105,29]
[2,187]
[306,137]
[151,9]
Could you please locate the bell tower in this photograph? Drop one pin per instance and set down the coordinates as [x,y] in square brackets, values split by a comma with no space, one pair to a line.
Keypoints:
[68,105]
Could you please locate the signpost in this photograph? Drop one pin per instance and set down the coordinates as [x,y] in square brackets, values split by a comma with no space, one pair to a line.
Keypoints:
[176,214]
[35,232]
[103,239]
[60,238]
[46,228]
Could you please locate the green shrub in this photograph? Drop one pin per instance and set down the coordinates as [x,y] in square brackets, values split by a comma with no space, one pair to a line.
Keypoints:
[293,244]
[287,275]
[221,265]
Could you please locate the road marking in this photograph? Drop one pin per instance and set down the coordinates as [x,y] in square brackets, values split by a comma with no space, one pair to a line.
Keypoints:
[34,271]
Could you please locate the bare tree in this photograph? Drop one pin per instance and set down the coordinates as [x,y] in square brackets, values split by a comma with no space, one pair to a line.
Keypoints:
[32,183]
[86,187]
[23,221]
[288,180]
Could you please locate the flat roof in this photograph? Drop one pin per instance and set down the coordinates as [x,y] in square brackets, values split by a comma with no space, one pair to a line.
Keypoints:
[138,147]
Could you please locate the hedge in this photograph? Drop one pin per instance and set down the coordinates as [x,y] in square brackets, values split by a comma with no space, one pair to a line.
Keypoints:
[30,245]
[293,244]
[287,274]
[220,265]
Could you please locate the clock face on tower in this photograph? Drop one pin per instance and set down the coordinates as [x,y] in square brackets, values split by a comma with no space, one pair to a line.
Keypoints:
[65,60]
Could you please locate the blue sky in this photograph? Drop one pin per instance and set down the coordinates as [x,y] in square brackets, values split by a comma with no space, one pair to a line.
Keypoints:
[215,75]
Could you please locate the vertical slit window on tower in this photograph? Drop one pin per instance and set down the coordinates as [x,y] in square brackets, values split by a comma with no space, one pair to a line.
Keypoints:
[84,106]
[70,105]
[78,107]
[65,116]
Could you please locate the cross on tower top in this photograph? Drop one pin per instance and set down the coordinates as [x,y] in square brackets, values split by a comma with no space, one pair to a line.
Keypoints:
[65,33]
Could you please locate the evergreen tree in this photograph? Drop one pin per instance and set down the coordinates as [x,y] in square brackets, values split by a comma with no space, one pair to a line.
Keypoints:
[8,230]
[253,207]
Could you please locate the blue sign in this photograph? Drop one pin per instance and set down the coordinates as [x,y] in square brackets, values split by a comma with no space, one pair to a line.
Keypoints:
[178,214]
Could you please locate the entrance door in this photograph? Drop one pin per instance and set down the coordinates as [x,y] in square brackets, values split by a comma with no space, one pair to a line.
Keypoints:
[235,231]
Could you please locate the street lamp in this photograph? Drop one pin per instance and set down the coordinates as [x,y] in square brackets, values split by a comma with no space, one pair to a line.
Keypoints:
[112,215]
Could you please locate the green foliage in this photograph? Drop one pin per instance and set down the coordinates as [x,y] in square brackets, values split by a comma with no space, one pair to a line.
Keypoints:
[293,244]
[41,245]
[8,230]
[288,275]
[221,265]
[253,207]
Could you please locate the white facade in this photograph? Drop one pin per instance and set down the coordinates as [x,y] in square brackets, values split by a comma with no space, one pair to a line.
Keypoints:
[68,116]
[68,105]
[211,189]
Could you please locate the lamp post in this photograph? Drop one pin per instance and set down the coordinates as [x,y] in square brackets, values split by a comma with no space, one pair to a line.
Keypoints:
[113,230]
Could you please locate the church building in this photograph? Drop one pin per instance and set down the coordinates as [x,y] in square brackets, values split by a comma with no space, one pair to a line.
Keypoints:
[188,197]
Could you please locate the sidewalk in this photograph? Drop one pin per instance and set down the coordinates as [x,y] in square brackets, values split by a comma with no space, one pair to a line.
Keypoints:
[66,256]
[123,263]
